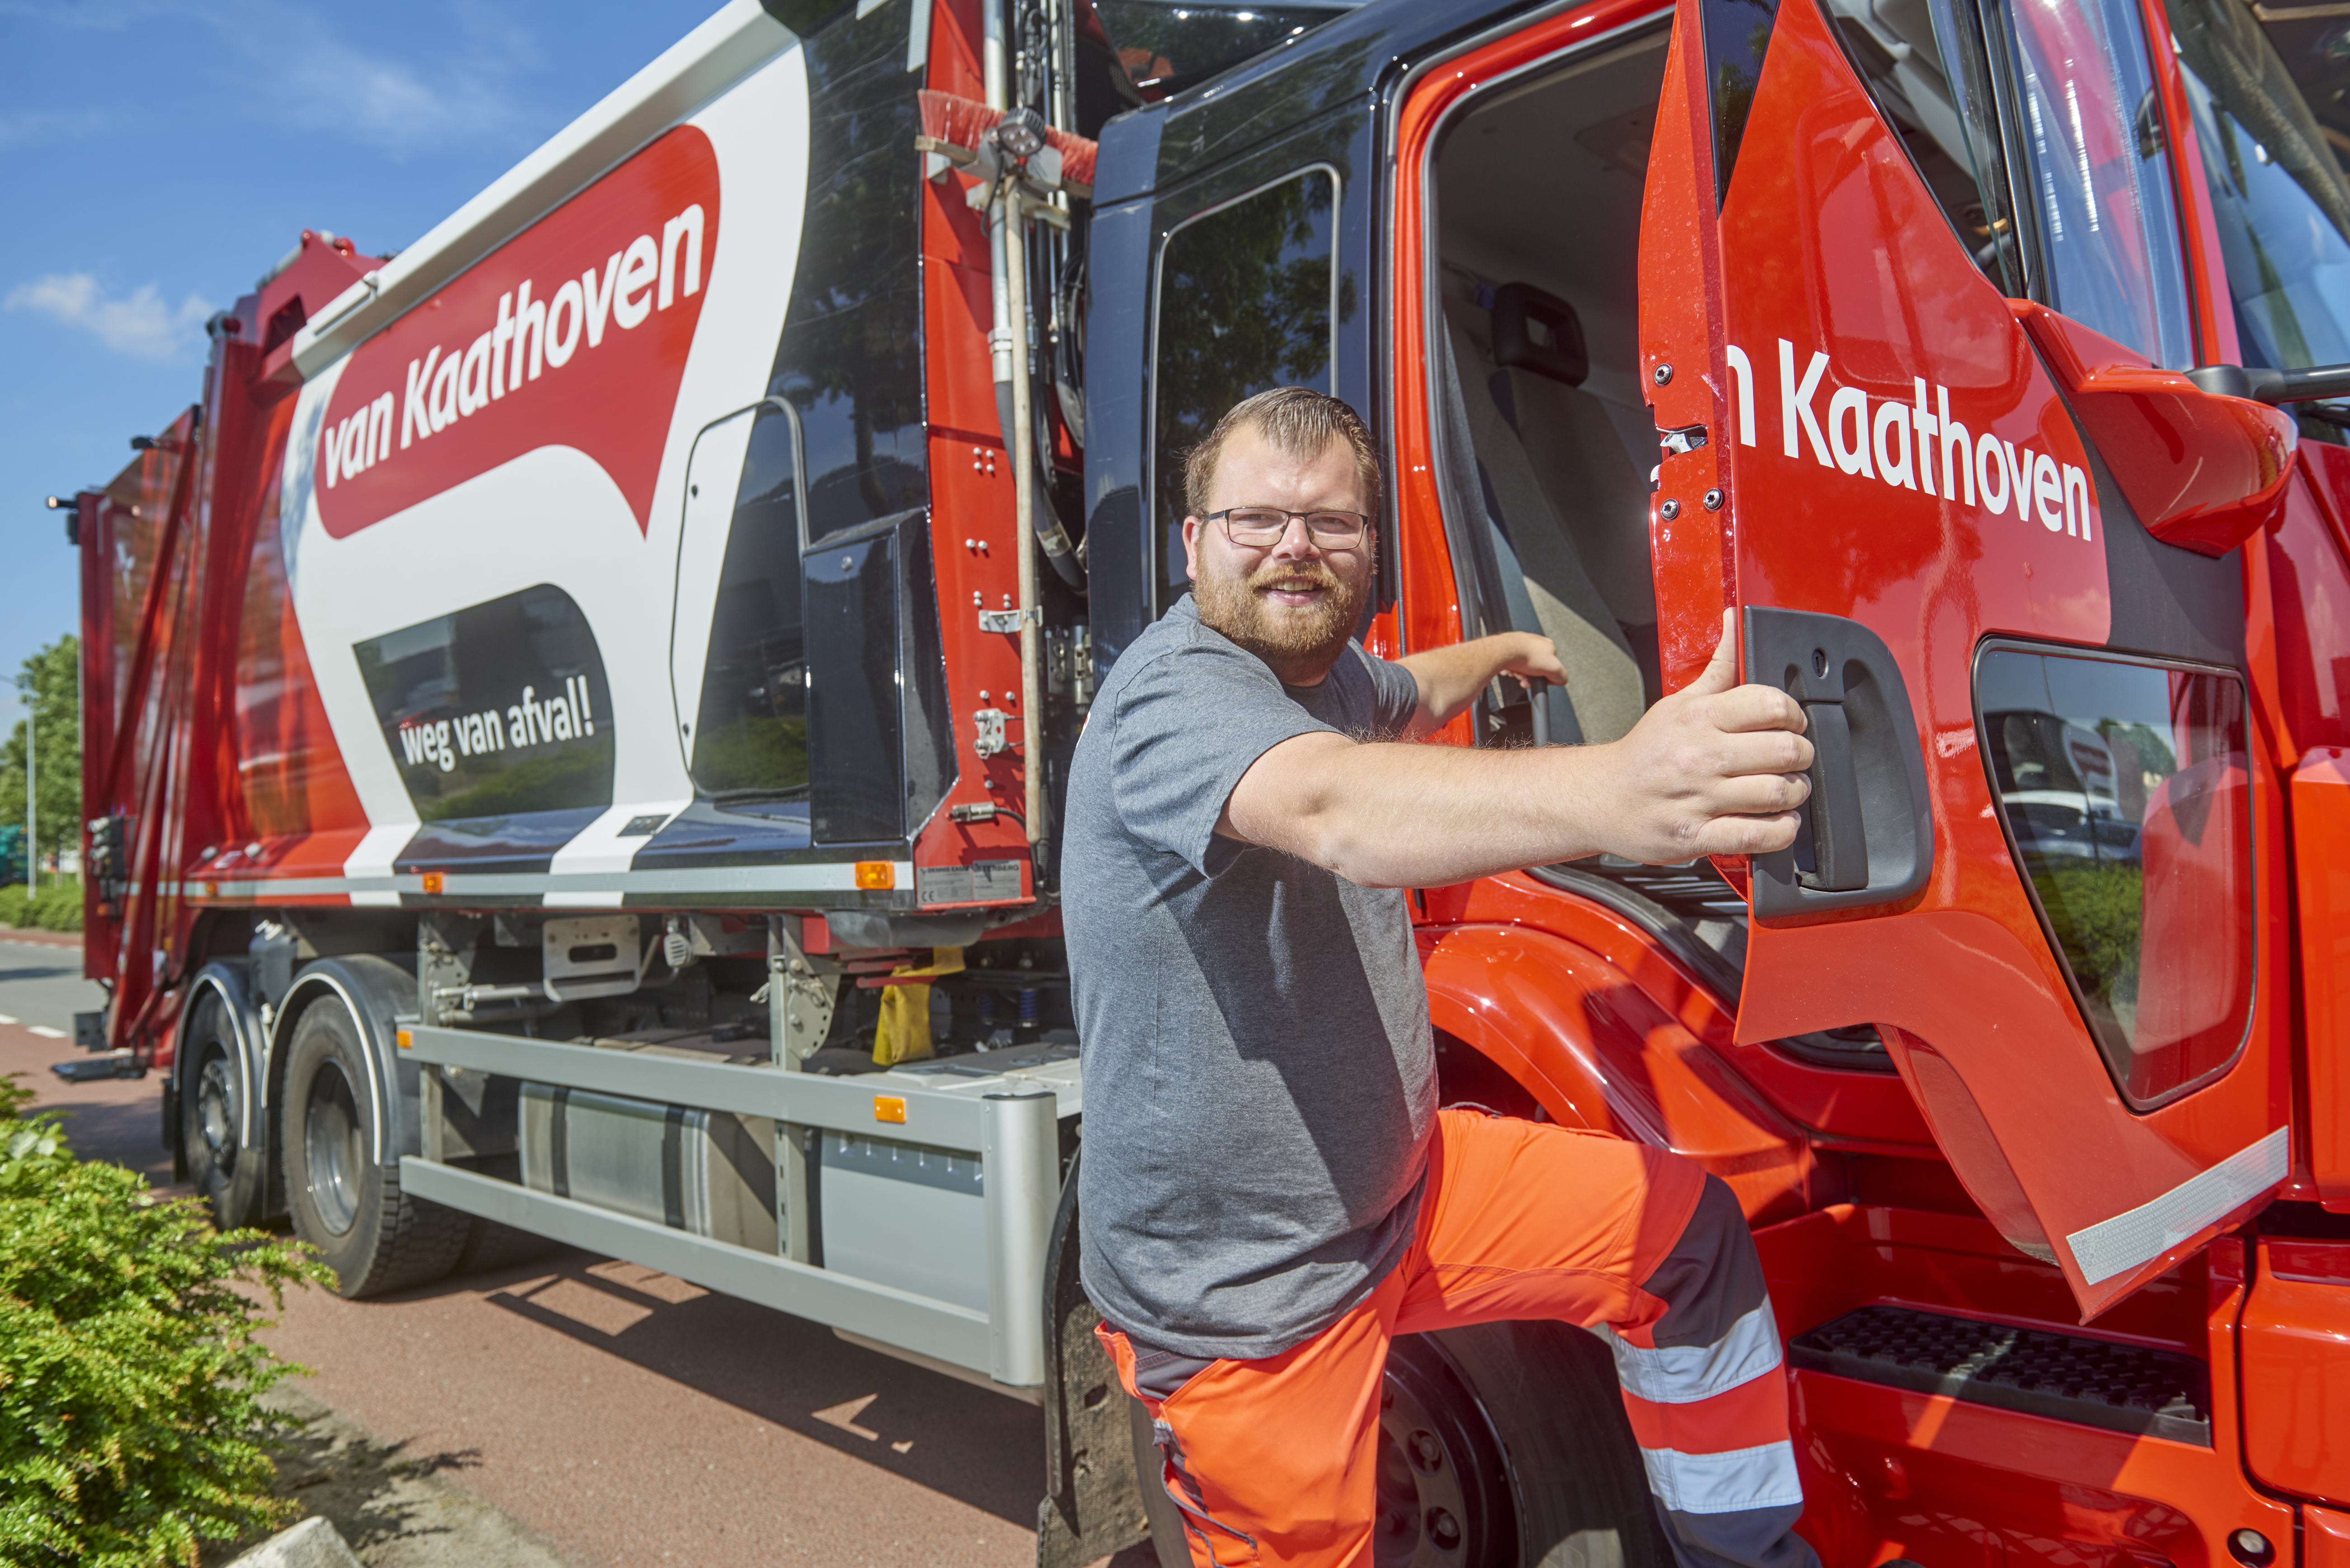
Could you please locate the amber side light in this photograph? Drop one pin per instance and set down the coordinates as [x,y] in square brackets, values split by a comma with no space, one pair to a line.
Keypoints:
[889,1108]
[877,875]
[432,881]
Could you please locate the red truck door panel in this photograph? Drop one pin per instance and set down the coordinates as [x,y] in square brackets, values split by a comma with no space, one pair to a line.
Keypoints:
[2029,856]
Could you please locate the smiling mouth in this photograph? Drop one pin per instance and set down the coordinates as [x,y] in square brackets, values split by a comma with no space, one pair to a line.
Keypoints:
[1292,590]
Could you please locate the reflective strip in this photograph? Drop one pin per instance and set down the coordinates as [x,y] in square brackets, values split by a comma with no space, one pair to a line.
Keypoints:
[1684,1373]
[2142,1234]
[585,889]
[1734,1483]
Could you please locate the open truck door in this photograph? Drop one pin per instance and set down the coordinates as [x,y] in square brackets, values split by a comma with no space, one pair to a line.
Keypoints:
[1940,511]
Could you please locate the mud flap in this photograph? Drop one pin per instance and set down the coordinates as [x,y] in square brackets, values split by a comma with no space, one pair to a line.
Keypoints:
[1093,1504]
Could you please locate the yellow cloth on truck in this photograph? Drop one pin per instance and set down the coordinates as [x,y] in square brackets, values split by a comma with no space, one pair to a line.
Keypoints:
[903,1034]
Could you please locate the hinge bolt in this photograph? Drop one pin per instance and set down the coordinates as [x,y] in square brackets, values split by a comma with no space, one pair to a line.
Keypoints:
[1664,374]
[1669,510]
[1713,500]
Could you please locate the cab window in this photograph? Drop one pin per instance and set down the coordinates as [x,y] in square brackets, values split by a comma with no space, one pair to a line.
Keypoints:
[2092,153]
[2281,203]
[1248,300]
[2036,126]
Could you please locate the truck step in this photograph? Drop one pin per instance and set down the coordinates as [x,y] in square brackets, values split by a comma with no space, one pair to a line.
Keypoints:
[2064,1376]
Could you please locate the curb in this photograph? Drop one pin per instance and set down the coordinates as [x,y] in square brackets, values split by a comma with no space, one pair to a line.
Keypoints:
[313,1544]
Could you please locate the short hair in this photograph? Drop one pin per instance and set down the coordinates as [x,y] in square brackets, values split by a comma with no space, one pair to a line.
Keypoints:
[1298,420]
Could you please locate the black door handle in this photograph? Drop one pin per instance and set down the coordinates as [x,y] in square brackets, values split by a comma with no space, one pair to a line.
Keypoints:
[1868,828]
[1836,838]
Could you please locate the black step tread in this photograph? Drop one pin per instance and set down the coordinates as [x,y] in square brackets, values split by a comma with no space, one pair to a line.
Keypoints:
[2066,1376]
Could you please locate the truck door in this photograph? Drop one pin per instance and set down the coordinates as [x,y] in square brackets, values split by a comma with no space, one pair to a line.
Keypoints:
[1881,240]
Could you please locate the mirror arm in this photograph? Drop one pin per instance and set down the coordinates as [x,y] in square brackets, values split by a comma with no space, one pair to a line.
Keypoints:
[2273,387]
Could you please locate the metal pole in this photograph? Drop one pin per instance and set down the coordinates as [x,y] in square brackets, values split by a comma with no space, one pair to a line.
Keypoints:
[32,837]
[1023,503]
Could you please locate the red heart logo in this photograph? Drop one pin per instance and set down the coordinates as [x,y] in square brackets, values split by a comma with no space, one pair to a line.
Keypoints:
[573,333]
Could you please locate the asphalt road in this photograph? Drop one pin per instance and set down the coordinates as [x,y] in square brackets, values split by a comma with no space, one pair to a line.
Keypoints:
[623,1416]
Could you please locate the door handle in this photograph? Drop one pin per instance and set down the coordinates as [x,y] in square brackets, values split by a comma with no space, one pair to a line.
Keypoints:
[1868,834]
[1838,840]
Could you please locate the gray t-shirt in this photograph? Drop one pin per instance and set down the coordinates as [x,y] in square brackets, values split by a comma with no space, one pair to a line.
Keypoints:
[1260,1080]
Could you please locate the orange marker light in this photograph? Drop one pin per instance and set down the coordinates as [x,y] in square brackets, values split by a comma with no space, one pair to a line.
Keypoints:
[432,881]
[406,1041]
[879,875]
[889,1108]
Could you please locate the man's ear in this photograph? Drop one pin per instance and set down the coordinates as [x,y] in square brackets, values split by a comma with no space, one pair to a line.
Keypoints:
[1191,526]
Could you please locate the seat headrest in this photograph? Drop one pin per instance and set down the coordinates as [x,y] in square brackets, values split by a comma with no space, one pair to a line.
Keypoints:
[1523,316]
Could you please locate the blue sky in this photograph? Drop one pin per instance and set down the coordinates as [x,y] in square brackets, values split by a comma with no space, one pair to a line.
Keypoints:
[157,156]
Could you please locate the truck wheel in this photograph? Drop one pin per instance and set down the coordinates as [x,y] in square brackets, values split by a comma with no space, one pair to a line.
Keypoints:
[344,1202]
[1501,1446]
[225,1174]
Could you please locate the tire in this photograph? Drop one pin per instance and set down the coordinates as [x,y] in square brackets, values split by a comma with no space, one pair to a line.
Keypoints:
[1501,1446]
[227,1175]
[344,1200]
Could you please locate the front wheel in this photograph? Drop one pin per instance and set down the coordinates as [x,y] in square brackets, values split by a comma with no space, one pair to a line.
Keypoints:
[345,1201]
[1501,1446]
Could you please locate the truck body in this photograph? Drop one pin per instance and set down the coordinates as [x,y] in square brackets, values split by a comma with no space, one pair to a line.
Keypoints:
[574,716]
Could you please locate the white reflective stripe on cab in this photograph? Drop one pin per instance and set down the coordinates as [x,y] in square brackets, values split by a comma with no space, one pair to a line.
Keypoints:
[1732,1482]
[1684,1374]
[2142,1234]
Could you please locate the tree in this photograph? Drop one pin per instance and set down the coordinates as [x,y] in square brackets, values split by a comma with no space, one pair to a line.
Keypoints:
[50,685]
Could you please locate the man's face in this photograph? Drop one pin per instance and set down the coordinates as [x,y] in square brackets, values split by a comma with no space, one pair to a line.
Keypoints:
[1292,603]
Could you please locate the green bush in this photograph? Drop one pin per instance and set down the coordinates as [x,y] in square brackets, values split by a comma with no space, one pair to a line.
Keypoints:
[57,906]
[130,1429]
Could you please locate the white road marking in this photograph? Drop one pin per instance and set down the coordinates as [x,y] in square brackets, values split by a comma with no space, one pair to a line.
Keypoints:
[45,1032]
[5,1019]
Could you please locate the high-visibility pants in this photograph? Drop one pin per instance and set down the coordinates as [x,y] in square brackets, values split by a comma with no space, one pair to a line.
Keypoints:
[1275,1460]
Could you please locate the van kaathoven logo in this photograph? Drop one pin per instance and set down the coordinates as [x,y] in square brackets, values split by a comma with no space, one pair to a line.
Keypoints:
[572,334]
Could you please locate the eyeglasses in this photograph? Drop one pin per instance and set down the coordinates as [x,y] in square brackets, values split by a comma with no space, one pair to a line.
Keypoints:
[1258,527]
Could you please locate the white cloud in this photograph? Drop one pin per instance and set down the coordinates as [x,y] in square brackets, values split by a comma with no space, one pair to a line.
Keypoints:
[321,80]
[138,324]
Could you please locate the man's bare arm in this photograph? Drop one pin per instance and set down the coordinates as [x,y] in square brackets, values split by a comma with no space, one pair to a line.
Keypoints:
[1713,769]
[1450,677]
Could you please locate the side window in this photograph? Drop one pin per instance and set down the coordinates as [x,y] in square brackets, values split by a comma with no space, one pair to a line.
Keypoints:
[2085,149]
[750,734]
[1931,89]
[2126,794]
[2279,198]
[2090,164]
[1248,299]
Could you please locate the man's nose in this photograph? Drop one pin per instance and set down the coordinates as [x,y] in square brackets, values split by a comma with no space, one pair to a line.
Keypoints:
[1296,543]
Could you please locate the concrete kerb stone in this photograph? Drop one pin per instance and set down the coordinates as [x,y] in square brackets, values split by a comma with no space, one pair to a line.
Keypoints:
[313,1544]
[380,1505]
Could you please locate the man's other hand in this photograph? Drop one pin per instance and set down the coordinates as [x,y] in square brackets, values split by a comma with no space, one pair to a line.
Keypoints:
[1716,768]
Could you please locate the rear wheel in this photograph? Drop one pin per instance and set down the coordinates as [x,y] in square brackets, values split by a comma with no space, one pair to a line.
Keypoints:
[225,1173]
[344,1202]
[1501,1446]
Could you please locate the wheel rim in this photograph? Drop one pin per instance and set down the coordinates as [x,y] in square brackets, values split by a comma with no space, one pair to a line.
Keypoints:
[216,1114]
[1445,1495]
[334,1147]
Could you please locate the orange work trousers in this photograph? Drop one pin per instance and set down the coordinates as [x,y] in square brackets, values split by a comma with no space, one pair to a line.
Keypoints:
[1274,1460]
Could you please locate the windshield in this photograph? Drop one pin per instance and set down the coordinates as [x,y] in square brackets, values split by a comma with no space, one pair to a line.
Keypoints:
[2278,193]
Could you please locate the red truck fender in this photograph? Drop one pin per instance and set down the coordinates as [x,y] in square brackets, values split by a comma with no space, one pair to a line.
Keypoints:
[1595,1050]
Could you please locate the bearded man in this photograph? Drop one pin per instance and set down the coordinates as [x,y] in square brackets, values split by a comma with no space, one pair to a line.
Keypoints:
[1269,1192]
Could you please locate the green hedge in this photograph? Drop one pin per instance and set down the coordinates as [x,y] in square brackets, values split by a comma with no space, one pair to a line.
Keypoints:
[130,1429]
[56,908]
